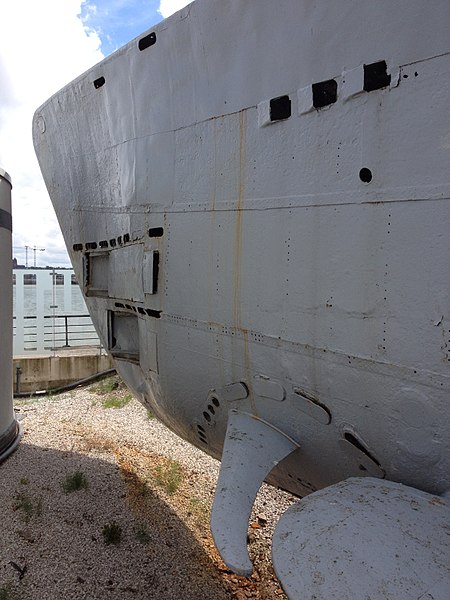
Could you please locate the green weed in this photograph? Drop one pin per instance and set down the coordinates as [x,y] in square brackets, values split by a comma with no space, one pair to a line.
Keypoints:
[105,386]
[74,482]
[199,509]
[29,506]
[142,534]
[6,592]
[112,533]
[169,476]
[116,401]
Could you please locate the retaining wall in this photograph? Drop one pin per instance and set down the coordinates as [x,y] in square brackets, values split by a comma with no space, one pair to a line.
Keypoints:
[49,372]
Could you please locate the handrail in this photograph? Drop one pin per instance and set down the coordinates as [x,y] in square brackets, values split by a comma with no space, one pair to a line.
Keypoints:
[61,332]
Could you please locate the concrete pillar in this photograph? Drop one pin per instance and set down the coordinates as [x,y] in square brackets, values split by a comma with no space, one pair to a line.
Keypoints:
[10,431]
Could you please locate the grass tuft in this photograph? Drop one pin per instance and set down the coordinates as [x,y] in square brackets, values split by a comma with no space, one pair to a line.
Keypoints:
[116,401]
[29,506]
[199,509]
[112,533]
[169,476]
[105,386]
[74,482]
[142,535]
[6,592]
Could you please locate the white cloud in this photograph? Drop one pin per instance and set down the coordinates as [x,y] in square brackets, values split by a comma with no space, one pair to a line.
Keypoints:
[43,46]
[168,7]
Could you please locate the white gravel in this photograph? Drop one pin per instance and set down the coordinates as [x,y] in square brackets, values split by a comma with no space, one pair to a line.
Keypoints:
[51,542]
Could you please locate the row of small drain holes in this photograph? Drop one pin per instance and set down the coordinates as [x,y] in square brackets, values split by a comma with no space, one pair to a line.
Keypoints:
[156,314]
[325,92]
[153,232]
[214,404]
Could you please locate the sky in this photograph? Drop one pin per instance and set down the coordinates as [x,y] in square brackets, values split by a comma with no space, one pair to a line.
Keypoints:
[43,46]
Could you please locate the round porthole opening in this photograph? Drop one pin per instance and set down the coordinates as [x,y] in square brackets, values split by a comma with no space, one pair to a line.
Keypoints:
[365,175]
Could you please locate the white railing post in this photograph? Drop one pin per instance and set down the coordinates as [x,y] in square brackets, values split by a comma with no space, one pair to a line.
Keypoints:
[43,284]
[19,341]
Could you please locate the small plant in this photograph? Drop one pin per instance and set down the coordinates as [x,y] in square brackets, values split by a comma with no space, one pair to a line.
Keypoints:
[105,386]
[150,415]
[142,535]
[24,481]
[116,401]
[169,476]
[199,509]
[112,533]
[74,482]
[29,506]
[6,592]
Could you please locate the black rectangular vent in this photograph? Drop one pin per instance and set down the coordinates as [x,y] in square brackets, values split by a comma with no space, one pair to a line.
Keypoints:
[280,108]
[324,93]
[147,41]
[155,271]
[376,76]
[156,232]
[99,82]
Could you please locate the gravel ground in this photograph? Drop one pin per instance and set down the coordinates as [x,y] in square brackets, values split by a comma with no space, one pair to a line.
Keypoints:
[102,502]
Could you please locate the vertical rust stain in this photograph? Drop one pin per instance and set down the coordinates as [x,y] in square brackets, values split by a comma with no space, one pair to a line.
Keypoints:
[244,359]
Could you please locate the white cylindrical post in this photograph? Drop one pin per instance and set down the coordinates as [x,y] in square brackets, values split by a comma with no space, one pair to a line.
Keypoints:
[9,427]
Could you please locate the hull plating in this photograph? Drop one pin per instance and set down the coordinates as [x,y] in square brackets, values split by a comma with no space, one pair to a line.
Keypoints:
[257,204]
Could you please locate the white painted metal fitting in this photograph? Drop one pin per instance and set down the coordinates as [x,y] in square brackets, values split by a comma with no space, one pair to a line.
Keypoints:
[10,431]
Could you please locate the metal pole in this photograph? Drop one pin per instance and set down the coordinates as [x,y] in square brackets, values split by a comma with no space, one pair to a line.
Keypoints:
[10,430]
[67,330]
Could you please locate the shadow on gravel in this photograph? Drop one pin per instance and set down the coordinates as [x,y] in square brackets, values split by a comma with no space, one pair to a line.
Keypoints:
[52,543]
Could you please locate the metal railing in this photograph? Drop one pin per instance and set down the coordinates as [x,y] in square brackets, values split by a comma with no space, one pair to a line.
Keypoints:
[49,312]
[52,332]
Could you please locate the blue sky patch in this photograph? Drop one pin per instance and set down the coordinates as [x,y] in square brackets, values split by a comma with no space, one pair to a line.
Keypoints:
[118,21]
